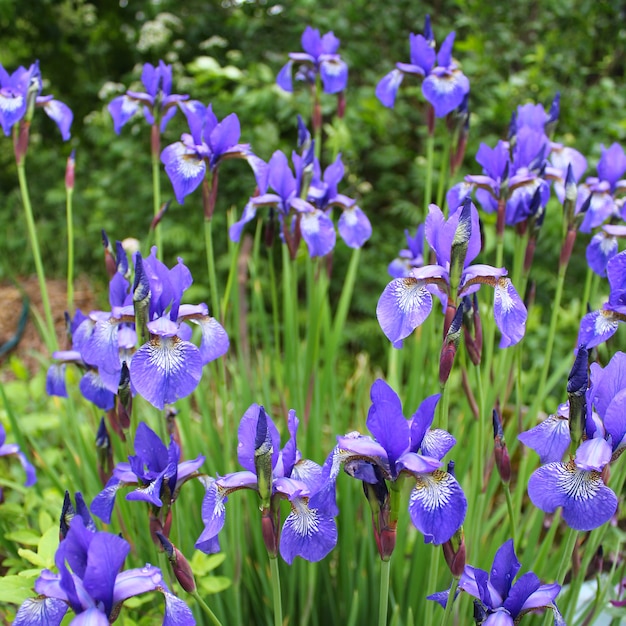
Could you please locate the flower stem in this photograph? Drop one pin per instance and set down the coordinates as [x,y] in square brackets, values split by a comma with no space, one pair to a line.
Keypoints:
[50,334]
[509,506]
[210,257]
[70,250]
[205,607]
[384,592]
[156,190]
[278,609]
[450,602]
[428,184]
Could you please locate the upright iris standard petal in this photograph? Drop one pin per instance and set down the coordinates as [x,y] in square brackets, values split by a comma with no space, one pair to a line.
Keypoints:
[437,506]
[166,369]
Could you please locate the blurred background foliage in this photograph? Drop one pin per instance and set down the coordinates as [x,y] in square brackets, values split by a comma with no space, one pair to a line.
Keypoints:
[229,52]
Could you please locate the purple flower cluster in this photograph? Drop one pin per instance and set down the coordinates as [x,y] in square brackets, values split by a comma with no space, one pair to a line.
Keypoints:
[20,92]
[275,473]
[577,484]
[166,366]
[303,202]
[401,449]
[91,583]
[320,58]
[158,102]
[407,301]
[444,86]
[498,600]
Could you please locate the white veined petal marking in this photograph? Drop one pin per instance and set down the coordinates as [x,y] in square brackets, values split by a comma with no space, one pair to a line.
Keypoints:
[302,519]
[502,294]
[409,293]
[166,354]
[604,323]
[432,490]
[578,484]
[11,103]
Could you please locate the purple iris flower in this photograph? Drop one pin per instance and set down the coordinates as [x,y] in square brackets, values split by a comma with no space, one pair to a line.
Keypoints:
[444,86]
[406,302]
[598,194]
[400,449]
[274,473]
[576,486]
[167,366]
[598,326]
[207,144]
[409,258]
[22,88]
[12,449]
[156,471]
[297,216]
[91,583]
[319,57]
[502,601]
[158,102]
[603,247]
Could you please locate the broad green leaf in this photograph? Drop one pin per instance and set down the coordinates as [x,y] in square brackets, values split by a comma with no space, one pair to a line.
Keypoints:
[202,564]
[25,536]
[48,545]
[15,589]
[215,584]
[32,557]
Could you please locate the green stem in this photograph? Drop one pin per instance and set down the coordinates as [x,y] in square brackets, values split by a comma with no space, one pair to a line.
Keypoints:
[50,334]
[210,257]
[509,506]
[278,609]
[70,250]
[432,578]
[450,602]
[428,184]
[205,607]
[384,592]
[156,198]
[443,172]
[556,308]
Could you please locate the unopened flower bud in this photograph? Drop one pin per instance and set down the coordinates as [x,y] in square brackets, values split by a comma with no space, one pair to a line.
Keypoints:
[341,104]
[69,171]
[156,220]
[263,450]
[180,565]
[454,553]
[270,529]
[104,452]
[124,398]
[449,347]
[141,299]
[109,256]
[577,384]
[500,451]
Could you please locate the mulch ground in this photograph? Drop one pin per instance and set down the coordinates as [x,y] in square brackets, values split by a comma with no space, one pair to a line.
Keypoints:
[31,347]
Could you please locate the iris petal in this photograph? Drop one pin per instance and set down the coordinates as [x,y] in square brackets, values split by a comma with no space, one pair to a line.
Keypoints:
[166,369]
